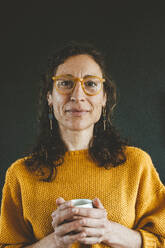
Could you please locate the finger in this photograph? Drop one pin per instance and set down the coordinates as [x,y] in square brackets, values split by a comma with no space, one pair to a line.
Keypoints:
[91,212]
[69,239]
[75,217]
[65,205]
[66,228]
[96,223]
[62,205]
[92,232]
[59,201]
[63,215]
[90,240]
[97,203]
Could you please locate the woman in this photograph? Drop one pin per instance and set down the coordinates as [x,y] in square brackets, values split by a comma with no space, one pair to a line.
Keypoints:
[80,155]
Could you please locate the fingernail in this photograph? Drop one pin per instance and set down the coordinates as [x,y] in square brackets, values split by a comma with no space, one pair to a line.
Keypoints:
[83,235]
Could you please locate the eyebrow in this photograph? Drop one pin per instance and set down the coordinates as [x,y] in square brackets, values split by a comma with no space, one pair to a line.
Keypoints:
[70,75]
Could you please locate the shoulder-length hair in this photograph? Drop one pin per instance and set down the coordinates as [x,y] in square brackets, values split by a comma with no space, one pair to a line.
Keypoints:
[106,148]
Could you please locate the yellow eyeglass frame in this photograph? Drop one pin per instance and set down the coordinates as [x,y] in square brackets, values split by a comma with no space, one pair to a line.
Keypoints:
[77,79]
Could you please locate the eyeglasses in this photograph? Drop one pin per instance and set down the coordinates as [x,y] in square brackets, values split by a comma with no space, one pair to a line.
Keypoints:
[91,85]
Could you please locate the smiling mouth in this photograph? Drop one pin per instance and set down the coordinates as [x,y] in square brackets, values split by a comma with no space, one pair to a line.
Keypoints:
[75,112]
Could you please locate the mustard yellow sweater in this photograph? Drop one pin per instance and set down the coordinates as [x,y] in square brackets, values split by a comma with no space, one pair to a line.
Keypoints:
[132,194]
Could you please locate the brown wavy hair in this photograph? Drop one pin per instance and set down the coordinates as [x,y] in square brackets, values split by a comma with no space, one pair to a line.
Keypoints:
[106,148]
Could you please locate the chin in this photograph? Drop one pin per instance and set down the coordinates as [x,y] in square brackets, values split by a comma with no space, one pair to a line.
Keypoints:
[79,127]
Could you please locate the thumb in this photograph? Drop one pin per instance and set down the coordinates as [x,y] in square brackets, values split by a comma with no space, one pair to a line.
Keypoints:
[59,201]
[97,203]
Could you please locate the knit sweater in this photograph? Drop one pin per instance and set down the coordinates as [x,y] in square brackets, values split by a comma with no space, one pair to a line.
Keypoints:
[131,193]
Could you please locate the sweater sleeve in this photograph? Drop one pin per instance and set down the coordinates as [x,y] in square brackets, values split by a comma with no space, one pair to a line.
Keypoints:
[15,230]
[150,207]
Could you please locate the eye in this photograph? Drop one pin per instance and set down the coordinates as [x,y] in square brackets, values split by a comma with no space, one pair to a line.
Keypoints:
[66,84]
[91,83]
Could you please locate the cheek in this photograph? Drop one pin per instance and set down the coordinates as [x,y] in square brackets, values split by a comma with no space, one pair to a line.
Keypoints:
[56,97]
[97,102]
[97,105]
[58,103]
[98,111]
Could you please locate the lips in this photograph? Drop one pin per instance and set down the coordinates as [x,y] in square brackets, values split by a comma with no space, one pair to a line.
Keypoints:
[76,112]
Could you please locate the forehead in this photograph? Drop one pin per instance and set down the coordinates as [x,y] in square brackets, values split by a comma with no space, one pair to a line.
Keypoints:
[79,65]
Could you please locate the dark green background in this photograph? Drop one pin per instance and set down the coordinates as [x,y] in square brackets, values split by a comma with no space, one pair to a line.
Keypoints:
[132,33]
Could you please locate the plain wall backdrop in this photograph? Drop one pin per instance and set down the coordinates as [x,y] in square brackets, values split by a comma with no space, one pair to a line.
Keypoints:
[131,33]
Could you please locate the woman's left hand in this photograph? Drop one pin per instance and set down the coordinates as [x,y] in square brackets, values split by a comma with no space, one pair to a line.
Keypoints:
[99,229]
[96,226]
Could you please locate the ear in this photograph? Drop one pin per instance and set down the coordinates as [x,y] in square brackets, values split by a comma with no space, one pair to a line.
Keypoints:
[49,98]
[104,99]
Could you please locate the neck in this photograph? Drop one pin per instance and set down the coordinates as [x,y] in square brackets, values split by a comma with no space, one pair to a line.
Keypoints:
[76,140]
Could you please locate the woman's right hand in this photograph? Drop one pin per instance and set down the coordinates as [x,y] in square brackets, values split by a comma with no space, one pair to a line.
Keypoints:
[64,224]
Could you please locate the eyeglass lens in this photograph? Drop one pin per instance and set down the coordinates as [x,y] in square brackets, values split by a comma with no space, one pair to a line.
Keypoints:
[90,85]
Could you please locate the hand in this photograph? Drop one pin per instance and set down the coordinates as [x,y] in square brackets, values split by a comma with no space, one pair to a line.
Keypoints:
[88,225]
[92,226]
[98,229]
[64,224]
[96,226]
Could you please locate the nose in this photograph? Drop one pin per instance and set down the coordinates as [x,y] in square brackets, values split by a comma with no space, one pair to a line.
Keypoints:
[78,94]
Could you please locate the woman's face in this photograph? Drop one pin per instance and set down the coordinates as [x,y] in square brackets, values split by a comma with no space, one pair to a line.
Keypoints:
[77,111]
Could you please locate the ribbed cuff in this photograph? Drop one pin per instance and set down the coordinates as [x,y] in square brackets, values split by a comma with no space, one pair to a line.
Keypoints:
[148,239]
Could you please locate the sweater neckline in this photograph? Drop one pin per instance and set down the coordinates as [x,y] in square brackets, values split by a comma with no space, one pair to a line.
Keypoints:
[76,152]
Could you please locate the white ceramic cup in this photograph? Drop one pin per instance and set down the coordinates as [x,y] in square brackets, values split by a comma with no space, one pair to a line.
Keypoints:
[82,203]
